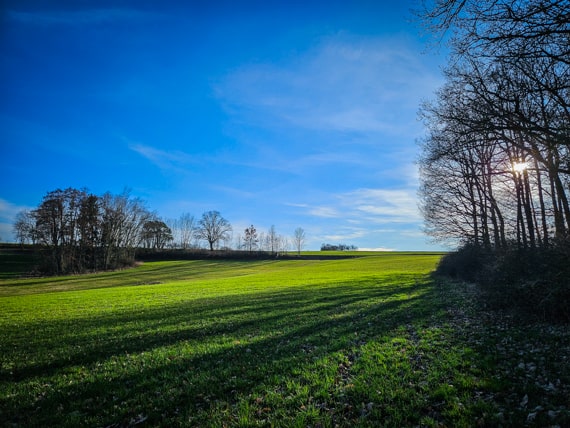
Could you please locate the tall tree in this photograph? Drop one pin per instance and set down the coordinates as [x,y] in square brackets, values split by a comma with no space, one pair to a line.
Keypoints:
[187,227]
[83,231]
[299,239]
[89,223]
[24,228]
[57,227]
[495,162]
[123,220]
[156,234]
[213,228]
[250,239]
[272,240]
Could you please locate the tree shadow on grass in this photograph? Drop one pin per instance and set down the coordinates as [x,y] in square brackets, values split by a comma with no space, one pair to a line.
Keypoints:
[140,275]
[178,361]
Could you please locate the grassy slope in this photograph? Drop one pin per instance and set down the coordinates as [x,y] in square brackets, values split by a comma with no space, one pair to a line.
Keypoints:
[363,341]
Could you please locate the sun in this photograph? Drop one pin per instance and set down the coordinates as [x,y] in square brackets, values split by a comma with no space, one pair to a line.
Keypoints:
[519,166]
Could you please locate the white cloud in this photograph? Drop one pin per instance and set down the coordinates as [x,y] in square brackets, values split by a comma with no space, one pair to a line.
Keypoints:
[8,212]
[369,206]
[327,212]
[400,205]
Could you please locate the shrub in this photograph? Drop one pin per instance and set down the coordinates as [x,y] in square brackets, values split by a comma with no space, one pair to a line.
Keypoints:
[533,282]
[464,264]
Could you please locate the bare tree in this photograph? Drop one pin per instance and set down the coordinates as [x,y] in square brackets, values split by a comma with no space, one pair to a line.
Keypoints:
[282,244]
[299,239]
[24,228]
[250,239]
[187,225]
[123,218]
[263,244]
[83,231]
[272,240]
[183,230]
[90,226]
[213,228]
[502,28]
[495,161]
[57,227]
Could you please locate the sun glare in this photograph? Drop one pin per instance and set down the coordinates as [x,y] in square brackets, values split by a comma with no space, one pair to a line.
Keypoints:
[519,166]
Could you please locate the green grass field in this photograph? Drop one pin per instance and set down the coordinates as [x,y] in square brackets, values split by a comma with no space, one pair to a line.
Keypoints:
[368,341]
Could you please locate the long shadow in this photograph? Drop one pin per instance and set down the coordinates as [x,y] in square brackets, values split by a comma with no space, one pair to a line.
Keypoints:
[190,320]
[327,320]
[134,276]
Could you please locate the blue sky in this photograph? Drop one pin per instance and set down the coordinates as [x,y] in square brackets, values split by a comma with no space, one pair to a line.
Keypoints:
[292,114]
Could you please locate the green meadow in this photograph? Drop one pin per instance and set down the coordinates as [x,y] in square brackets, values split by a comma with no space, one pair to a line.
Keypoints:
[366,341]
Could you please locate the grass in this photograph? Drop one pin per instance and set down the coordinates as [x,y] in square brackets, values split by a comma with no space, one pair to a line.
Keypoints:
[368,341]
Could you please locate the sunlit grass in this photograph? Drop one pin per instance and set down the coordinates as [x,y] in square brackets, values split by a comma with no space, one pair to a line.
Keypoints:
[366,342]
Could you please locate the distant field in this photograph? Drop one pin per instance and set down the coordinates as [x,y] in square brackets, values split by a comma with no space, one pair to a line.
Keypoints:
[369,253]
[368,341]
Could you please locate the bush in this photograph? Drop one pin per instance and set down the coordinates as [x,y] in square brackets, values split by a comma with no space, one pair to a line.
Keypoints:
[533,282]
[464,264]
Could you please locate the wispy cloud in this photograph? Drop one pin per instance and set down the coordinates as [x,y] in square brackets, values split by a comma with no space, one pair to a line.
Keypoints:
[377,218]
[368,206]
[394,205]
[174,160]
[323,211]
[344,84]
[8,212]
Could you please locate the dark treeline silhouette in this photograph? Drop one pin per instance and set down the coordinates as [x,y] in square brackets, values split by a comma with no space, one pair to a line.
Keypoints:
[495,165]
[338,247]
[78,231]
[75,231]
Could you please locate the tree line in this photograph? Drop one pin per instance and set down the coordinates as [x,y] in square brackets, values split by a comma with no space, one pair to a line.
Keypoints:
[495,164]
[338,247]
[79,231]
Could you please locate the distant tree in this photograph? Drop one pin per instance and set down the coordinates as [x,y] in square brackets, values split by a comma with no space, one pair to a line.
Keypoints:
[338,247]
[299,239]
[89,224]
[272,240]
[187,225]
[82,231]
[24,228]
[123,220]
[263,245]
[156,234]
[183,230]
[213,228]
[282,244]
[250,239]
[57,227]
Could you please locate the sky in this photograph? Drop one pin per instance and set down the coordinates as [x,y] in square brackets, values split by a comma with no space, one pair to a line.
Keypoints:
[284,113]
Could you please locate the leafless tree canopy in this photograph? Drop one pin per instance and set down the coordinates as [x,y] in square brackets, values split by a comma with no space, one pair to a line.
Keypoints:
[213,228]
[299,239]
[81,231]
[495,163]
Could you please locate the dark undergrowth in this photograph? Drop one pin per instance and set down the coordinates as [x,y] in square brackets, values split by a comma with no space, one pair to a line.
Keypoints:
[532,283]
